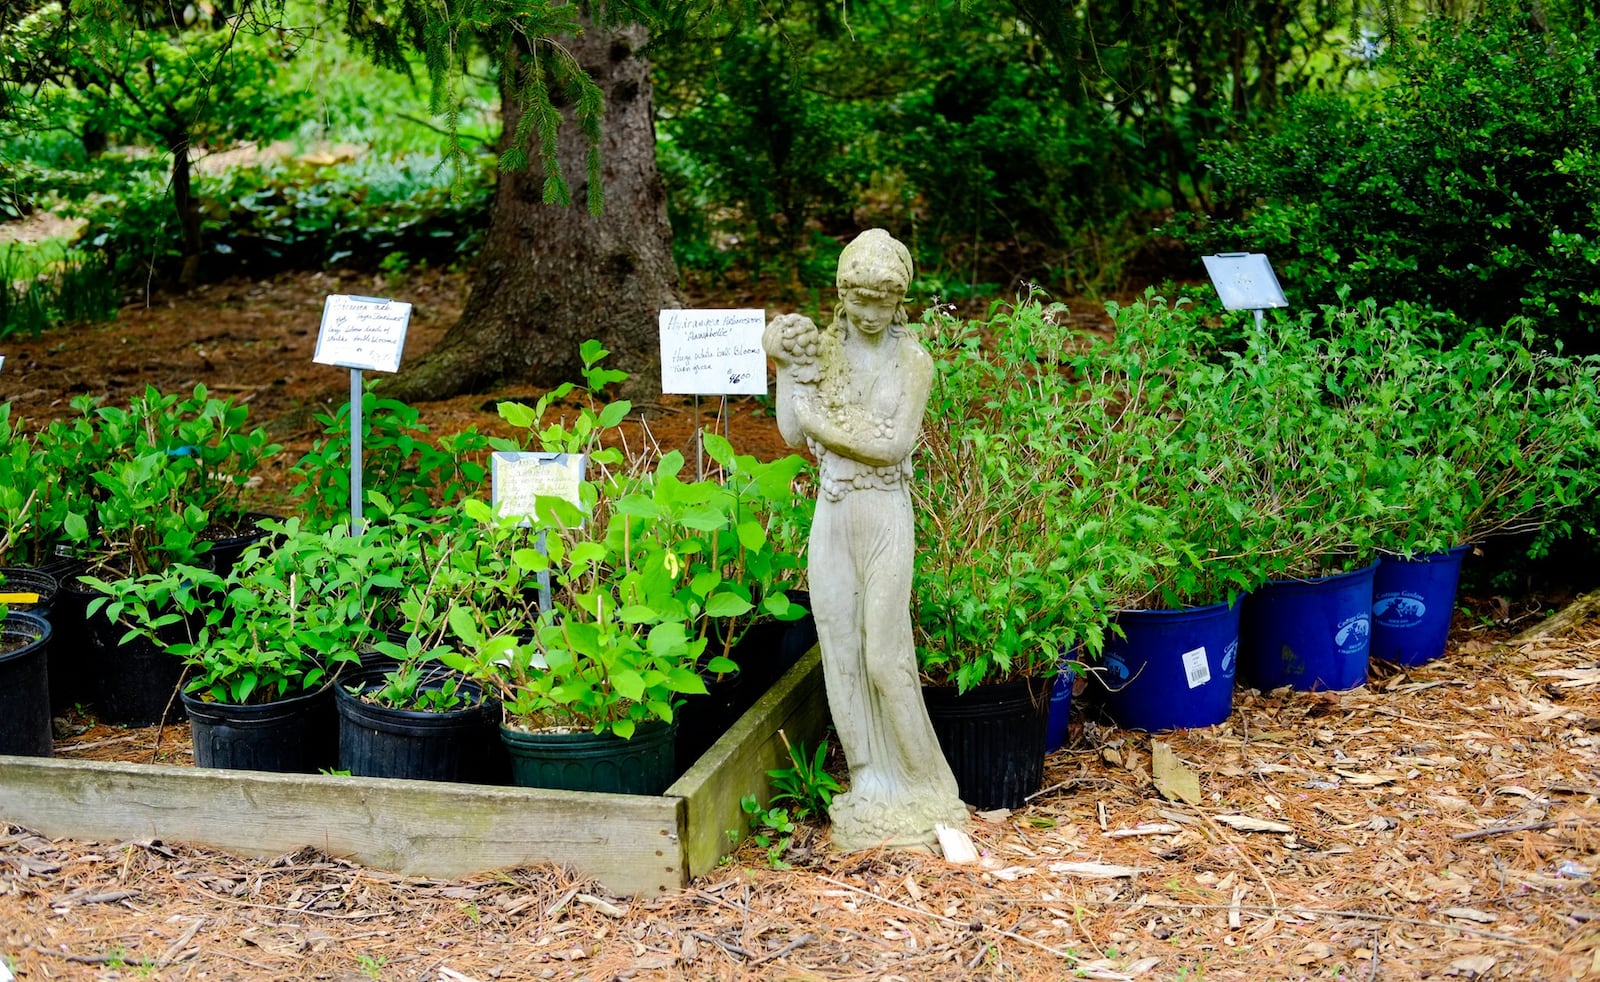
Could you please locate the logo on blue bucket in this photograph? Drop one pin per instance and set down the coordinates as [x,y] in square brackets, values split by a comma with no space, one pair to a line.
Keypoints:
[1230,654]
[1401,608]
[1353,634]
[1115,666]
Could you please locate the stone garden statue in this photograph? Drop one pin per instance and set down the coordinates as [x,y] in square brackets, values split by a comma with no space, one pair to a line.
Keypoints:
[855,392]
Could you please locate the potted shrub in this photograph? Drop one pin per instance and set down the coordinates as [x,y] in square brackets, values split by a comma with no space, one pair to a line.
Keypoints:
[261,644]
[1167,486]
[724,543]
[1003,589]
[418,714]
[1493,437]
[1315,531]
[169,476]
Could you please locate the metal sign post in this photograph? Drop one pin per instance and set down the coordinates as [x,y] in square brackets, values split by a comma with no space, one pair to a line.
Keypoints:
[360,333]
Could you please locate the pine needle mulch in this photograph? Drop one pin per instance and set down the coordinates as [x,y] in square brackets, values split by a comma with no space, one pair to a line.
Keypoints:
[1443,822]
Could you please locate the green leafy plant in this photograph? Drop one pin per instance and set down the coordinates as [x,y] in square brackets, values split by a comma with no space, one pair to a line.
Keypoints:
[1458,172]
[653,578]
[280,624]
[159,474]
[1004,584]
[806,783]
[770,828]
[400,460]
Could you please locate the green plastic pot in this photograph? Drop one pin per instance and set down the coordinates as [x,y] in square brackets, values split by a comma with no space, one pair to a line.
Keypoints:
[588,761]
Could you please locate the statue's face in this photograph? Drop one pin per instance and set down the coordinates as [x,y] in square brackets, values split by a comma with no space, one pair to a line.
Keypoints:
[871,312]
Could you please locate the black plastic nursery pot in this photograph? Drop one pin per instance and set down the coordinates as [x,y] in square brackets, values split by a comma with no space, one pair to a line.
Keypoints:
[296,735]
[25,685]
[70,679]
[17,583]
[703,717]
[225,552]
[993,737]
[456,745]
[134,682]
[587,761]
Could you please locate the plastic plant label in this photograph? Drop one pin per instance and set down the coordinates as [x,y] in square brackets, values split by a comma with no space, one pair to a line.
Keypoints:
[519,479]
[19,598]
[1195,667]
[2,368]
[713,352]
[365,333]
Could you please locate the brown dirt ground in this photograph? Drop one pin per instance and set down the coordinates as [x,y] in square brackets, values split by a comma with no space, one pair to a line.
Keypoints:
[1441,822]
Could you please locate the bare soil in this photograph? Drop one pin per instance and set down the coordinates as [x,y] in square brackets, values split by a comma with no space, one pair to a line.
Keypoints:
[1440,822]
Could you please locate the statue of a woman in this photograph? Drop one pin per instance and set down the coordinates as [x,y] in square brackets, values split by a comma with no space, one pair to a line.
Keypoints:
[855,393]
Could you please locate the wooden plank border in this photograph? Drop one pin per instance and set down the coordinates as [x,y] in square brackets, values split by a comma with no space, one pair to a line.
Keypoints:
[633,844]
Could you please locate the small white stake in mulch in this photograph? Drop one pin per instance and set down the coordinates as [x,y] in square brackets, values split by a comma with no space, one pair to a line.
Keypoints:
[518,479]
[956,845]
[361,334]
[712,353]
[1245,281]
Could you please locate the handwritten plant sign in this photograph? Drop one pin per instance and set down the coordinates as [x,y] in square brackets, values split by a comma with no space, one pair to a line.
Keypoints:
[519,479]
[713,352]
[363,333]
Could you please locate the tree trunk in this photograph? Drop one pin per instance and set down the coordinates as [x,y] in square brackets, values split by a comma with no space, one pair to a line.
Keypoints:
[188,210]
[551,276]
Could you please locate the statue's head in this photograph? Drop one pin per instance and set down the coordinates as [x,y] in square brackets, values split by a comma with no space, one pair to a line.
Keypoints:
[875,264]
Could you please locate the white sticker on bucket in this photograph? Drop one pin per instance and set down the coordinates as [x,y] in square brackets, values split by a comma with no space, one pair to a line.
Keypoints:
[1196,668]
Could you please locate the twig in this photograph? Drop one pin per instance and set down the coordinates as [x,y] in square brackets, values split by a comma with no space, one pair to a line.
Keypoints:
[731,949]
[176,948]
[1506,830]
[1360,915]
[68,748]
[797,942]
[77,959]
[1066,955]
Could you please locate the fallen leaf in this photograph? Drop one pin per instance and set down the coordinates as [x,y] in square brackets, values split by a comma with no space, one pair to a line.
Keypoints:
[604,907]
[1175,781]
[1155,828]
[995,814]
[1108,871]
[1468,914]
[1471,965]
[1142,966]
[1245,823]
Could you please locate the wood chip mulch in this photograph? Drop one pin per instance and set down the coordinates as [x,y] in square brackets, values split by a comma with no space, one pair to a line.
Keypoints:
[1441,823]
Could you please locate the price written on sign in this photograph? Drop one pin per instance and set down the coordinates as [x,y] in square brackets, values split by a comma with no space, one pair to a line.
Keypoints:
[713,352]
[519,479]
[362,332]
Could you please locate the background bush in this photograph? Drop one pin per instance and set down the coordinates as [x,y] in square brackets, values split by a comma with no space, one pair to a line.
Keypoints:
[1465,175]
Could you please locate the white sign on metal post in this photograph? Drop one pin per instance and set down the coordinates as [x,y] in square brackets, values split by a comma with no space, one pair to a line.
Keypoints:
[1245,281]
[367,333]
[360,333]
[713,352]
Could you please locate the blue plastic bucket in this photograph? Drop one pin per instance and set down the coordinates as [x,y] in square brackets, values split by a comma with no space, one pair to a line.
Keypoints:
[1412,602]
[1308,634]
[1172,669]
[1055,727]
